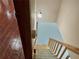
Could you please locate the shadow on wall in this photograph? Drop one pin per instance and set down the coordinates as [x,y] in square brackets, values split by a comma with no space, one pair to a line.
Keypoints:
[47,30]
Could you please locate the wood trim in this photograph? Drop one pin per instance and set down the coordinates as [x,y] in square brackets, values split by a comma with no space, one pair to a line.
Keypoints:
[56,48]
[22,9]
[53,45]
[50,46]
[68,46]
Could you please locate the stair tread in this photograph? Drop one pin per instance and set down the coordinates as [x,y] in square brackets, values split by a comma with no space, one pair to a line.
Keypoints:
[43,54]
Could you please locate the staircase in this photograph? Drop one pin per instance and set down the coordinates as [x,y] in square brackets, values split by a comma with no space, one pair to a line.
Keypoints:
[55,50]
[43,53]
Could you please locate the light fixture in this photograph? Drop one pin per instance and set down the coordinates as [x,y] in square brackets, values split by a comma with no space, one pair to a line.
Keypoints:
[39,15]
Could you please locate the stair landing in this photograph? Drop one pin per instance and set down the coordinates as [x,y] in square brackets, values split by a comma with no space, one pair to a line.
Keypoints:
[43,53]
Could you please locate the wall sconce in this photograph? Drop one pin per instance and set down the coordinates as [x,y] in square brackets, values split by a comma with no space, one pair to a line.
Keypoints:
[39,15]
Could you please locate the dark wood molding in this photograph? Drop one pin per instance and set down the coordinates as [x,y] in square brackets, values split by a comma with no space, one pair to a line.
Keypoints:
[22,9]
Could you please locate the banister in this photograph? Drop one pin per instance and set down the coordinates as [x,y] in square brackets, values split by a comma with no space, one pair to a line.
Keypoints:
[68,46]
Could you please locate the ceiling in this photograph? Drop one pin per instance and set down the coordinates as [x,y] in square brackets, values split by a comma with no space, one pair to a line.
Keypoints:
[49,9]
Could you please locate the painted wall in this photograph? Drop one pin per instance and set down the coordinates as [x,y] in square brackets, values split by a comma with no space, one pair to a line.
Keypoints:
[47,30]
[68,22]
[32,10]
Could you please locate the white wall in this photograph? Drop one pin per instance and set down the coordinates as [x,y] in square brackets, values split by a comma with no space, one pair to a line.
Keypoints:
[68,21]
[32,10]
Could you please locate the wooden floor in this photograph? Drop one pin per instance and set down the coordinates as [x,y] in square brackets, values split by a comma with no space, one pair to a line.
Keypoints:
[10,43]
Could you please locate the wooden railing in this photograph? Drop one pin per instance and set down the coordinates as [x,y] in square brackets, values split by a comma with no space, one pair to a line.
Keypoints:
[56,47]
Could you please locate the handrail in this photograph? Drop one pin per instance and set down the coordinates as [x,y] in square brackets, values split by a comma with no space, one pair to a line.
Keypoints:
[68,46]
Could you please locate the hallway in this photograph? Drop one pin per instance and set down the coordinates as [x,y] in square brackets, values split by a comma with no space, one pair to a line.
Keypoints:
[43,53]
